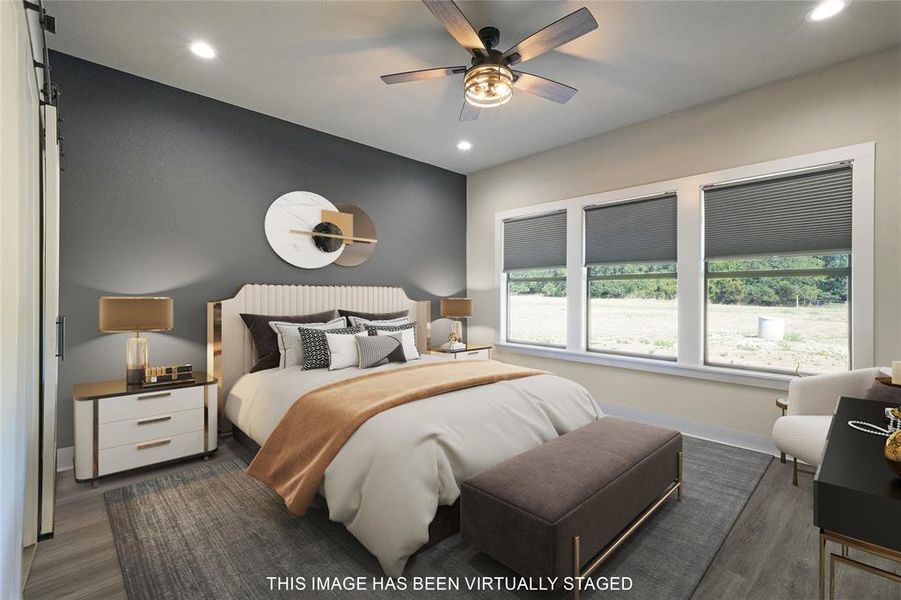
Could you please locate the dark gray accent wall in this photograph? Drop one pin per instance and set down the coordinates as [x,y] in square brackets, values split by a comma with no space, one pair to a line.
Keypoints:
[164,192]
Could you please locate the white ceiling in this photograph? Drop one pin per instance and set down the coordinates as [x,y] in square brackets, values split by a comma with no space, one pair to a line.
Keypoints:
[318,63]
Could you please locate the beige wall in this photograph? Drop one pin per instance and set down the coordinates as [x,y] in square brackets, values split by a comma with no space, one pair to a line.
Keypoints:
[854,102]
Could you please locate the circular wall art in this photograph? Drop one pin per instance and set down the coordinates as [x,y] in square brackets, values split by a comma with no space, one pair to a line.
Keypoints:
[290,227]
[363,229]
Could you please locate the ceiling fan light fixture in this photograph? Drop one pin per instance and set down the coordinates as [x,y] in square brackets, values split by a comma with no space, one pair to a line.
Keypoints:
[487,86]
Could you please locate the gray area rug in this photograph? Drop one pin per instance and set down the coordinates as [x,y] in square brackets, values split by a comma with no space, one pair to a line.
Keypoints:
[213,532]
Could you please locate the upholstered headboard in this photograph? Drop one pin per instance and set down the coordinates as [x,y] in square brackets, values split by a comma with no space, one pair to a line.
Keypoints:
[230,351]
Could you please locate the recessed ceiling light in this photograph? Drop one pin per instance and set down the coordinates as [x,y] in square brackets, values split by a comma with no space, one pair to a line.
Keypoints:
[826,9]
[203,50]
[463,145]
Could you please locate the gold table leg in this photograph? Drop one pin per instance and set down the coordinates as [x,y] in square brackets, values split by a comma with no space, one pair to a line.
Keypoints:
[846,544]
[822,592]
[831,577]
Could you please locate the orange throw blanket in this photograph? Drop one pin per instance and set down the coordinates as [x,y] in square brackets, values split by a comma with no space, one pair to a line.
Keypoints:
[300,448]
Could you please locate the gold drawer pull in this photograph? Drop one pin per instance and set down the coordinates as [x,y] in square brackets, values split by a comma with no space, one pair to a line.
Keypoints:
[154,444]
[152,396]
[155,420]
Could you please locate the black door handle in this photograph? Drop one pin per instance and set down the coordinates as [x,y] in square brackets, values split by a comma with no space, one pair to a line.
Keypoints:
[61,338]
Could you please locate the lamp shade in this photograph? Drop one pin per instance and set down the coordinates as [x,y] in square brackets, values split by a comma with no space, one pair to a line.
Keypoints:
[135,313]
[459,308]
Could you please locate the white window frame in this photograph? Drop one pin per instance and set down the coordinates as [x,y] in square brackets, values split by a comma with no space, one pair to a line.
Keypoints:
[690,267]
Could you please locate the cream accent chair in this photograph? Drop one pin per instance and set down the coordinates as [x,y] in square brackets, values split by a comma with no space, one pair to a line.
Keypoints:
[801,432]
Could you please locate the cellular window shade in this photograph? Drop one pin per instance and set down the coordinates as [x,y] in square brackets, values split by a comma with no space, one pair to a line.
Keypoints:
[633,232]
[537,242]
[805,213]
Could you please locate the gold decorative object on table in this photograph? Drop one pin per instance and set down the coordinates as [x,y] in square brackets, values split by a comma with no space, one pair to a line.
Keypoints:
[893,449]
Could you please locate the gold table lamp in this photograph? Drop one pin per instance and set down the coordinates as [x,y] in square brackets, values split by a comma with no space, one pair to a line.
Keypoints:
[135,313]
[456,309]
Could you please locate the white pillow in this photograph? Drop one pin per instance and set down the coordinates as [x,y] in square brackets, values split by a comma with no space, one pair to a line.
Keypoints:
[408,340]
[364,322]
[289,347]
[342,349]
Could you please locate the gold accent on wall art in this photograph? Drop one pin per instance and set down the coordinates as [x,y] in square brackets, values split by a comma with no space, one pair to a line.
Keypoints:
[344,221]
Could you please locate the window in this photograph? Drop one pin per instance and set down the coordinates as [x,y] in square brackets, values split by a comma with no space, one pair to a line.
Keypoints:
[534,267]
[747,275]
[787,313]
[536,307]
[778,273]
[630,256]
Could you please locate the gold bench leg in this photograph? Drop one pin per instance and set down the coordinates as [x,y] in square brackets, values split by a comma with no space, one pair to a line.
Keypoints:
[577,567]
[680,470]
[578,574]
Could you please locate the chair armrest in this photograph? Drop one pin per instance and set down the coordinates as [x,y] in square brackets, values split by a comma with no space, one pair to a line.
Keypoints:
[819,394]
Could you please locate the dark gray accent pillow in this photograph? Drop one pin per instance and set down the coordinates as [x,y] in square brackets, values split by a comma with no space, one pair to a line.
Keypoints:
[374,329]
[374,316]
[265,340]
[316,354]
[380,349]
[884,393]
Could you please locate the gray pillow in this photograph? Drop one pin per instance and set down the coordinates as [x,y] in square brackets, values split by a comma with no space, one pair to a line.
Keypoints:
[884,393]
[379,350]
[265,340]
[374,316]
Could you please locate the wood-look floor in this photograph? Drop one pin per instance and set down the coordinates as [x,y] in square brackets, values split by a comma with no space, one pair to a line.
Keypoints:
[771,552]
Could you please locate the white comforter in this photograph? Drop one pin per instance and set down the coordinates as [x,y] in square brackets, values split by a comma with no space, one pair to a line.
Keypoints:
[387,482]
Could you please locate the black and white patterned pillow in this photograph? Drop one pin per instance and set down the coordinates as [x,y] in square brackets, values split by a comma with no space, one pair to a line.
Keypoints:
[409,333]
[315,345]
[374,329]
[380,349]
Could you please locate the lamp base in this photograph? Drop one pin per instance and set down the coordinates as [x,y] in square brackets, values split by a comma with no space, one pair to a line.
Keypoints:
[134,376]
[137,354]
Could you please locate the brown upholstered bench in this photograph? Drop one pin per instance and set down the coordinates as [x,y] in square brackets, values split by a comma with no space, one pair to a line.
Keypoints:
[547,511]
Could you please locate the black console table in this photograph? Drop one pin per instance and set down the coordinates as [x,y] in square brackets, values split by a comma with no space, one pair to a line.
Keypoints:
[856,496]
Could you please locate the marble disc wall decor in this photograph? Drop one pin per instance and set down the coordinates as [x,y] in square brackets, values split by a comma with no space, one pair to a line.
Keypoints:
[300,211]
[358,253]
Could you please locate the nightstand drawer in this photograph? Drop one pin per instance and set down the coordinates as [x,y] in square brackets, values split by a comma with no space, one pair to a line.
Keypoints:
[149,403]
[482,354]
[132,456]
[118,433]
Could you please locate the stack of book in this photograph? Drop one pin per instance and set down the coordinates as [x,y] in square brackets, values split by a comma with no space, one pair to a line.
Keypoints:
[168,375]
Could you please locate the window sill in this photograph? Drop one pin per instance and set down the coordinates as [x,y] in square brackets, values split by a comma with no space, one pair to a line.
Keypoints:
[772,381]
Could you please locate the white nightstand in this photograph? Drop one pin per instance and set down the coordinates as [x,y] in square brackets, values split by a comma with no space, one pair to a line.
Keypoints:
[120,427]
[470,352]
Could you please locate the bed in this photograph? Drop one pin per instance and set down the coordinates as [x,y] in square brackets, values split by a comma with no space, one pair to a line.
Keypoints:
[389,480]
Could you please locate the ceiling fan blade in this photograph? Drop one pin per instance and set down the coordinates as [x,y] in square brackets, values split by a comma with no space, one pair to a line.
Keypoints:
[556,34]
[469,112]
[457,25]
[422,74]
[546,88]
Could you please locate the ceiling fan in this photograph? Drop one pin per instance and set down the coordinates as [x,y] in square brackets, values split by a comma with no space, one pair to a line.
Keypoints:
[489,80]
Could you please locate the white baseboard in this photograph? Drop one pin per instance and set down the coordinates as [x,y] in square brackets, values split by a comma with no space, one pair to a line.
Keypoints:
[64,458]
[705,431]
